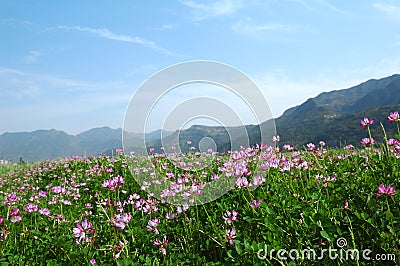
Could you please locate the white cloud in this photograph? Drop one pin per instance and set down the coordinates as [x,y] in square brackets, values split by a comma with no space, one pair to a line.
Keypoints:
[392,11]
[107,34]
[213,9]
[246,26]
[168,26]
[15,22]
[32,57]
[320,6]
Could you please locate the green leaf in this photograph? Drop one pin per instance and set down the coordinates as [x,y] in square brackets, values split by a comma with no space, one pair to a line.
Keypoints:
[246,244]
[390,229]
[325,235]
[364,215]
[389,215]
[238,248]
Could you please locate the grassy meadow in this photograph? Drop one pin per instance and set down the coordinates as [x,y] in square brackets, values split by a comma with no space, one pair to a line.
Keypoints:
[309,205]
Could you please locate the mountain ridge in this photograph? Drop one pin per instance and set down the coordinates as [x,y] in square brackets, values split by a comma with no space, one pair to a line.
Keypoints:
[330,116]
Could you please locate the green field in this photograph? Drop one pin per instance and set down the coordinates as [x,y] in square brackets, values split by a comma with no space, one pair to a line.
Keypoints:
[284,203]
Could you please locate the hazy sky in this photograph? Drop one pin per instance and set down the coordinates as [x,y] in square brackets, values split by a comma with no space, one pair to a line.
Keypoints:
[74,65]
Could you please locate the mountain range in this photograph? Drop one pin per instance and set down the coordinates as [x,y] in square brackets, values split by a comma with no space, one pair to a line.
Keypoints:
[333,117]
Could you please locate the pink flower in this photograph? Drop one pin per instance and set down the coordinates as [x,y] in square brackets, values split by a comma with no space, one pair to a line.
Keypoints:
[276,138]
[258,180]
[349,147]
[288,147]
[121,220]
[230,216]
[113,183]
[14,212]
[392,142]
[365,122]
[393,117]
[162,244]
[82,230]
[367,141]
[397,147]
[15,219]
[346,205]
[31,208]
[15,215]
[230,236]
[1,220]
[93,261]
[11,199]
[152,224]
[242,182]
[42,193]
[311,147]
[44,211]
[58,190]
[388,190]
[256,203]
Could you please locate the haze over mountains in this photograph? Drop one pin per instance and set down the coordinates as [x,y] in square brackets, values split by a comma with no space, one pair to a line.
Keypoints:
[331,116]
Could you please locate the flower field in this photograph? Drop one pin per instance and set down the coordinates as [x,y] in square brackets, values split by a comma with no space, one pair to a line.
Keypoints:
[341,204]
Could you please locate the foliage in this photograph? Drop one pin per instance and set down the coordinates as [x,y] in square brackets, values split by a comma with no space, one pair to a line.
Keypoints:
[77,211]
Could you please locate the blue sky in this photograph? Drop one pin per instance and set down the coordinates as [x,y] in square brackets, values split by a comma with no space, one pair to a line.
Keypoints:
[74,65]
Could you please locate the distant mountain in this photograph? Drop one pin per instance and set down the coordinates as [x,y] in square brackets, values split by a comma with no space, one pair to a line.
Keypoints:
[220,139]
[49,144]
[333,117]
[98,140]
[28,145]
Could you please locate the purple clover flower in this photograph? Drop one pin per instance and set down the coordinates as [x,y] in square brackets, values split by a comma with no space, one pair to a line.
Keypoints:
[388,190]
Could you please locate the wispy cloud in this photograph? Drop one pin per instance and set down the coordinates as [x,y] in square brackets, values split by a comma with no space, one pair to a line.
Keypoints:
[14,22]
[213,9]
[107,34]
[168,26]
[320,6]
[391,10]
[246,26]
[32,57]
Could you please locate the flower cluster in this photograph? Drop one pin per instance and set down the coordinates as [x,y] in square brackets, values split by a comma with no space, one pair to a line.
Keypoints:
[82,231]
[152,224]
[388,190]
[230,233]
[15,215]
[162,245]
[325,180]
[121,220]
[113,183]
